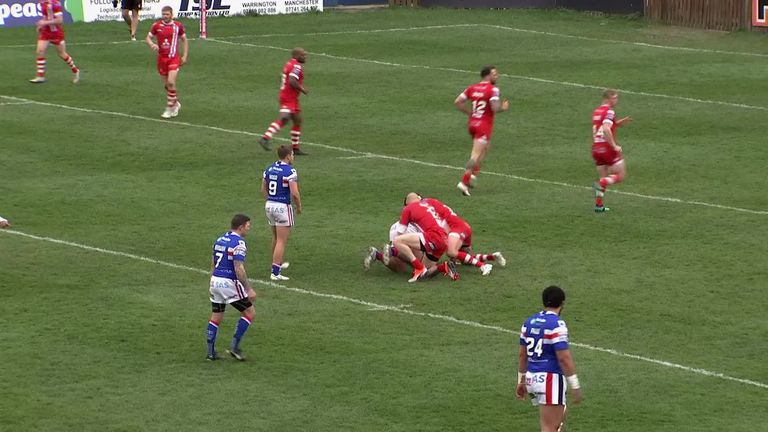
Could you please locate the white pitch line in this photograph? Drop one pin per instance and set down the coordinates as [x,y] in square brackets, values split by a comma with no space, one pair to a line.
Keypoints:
[618,41]
[379,307]
[521,77]
[14,103]
[394,158]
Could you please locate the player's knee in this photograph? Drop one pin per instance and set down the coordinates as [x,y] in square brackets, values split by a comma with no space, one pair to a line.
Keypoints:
[471,163]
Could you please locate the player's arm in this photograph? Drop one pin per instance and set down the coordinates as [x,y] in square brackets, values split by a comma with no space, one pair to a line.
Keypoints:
[623,121]
[565,359]
[295,195]
[58,18]
[405,218]
[151,41]
[498,105]
[608,134]
[522,368]
[461,104]
[185,48]
[293,81]
[241,275]
[264,192]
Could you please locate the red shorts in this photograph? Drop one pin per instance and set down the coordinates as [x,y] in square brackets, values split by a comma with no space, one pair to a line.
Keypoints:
[55,38]
[165,65]
[434,243]
[464,231]
[604,154]
[480,130]
[289,106]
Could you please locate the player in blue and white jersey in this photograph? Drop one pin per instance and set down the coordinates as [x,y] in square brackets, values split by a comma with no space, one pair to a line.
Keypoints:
[230,285]
[280,187]
[546,363]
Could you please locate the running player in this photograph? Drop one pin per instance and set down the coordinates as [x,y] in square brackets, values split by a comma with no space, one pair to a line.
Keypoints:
[291,87]
[431,238]
[168,34]
[605,150]
[130,10]
[4,223]
[486,102]
[546,363]
[460,240]
[230,285]
[51,31]
[280,187]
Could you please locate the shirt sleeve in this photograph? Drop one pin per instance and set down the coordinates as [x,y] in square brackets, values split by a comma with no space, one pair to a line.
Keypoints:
[463,96]
[181,29]
[558,337]
[610,115]
[296,71]
[523,335]
[293,177]
[239,251]
[495,94]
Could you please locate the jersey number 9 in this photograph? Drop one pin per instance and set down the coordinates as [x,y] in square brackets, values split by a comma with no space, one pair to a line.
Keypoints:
[272,186]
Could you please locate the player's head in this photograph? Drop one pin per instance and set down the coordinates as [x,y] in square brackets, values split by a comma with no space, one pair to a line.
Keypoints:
[411,197]
[611,97]
[241,223]
[285,153]
[553,297]
[489,73]
[299,54]
[167,13]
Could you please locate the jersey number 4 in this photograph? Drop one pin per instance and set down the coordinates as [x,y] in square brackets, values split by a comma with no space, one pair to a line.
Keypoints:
[533,347]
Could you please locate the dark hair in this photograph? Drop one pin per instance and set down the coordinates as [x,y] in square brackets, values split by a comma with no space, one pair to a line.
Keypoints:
[239,220]
[283,151]
[553,296]
[486,70]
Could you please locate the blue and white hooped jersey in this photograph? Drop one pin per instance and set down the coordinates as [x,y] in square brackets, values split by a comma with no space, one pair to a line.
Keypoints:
[228,248]
[277,178]
[542,335]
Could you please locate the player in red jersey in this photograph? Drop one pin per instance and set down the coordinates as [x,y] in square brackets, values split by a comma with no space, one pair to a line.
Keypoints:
[486,102]
[431,239]
[605,150]
[51,31]
[291,87]
[4,223]
[460,240]
[168,34]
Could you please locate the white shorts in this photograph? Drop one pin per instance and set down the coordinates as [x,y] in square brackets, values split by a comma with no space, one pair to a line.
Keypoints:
[546,388]
[393,230]
[279,214]
[226,291]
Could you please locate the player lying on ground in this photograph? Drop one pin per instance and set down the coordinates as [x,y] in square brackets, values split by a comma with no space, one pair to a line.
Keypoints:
[4,223]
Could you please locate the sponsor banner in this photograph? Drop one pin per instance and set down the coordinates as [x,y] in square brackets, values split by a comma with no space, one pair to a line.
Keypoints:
[760,13]
[102,10]
[16,13]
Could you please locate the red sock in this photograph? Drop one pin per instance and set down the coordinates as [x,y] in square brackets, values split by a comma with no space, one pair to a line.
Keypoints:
[295,137]
[41,66]
[476,170]
[443,267]
[417,265]
[599,202]
[466,177]
[171,97]
[469,259]
[379,256]
[393,251]
[71,64]
[609,180]
[273,128]
[485,257]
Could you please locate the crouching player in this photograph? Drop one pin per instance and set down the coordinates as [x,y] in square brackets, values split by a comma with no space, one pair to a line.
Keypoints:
[545,362]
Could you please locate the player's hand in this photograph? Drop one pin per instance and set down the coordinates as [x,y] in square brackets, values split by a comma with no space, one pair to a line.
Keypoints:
[520,391]
[305,90]
[617,148]
[183,60]
[298,210]
[251,294]
[505,105]
[576,395]
[5,224]
[155,47]
[625,120]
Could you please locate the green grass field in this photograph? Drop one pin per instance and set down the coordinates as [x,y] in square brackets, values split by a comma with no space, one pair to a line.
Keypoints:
[666,293]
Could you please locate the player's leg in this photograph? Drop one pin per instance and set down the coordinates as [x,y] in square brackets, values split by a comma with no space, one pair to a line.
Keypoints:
[172,96]
[284,116]
[550,417]
[212,329]
[134,22]
[247,313]
[496,256]
[126,14]
[602,172]
[478,145]
[404,245]
[485,146]
[296,134]
[61,50]
[42,47]
[281,239]
[616,174]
